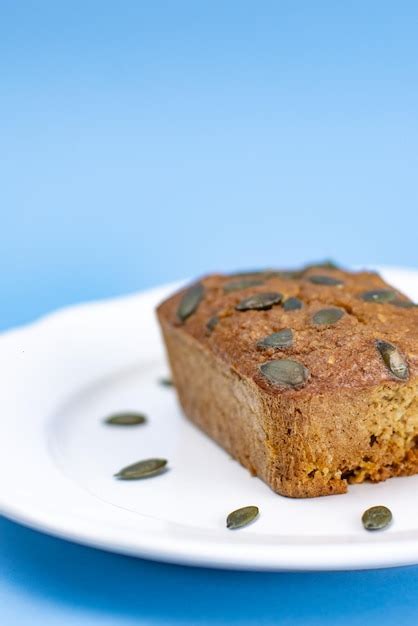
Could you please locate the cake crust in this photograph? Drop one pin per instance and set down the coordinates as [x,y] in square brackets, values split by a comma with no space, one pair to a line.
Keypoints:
[352,417]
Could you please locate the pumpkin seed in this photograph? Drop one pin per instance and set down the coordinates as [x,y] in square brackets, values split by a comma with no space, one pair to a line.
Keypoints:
[248,274]
[211,323]
[285,372]
[244,283]
[404,304]
[241,517]
[393,359]
[376,518]
[328,264]
[330,315]
[259,301]
[126,419]
[281,339]
[268,273]
[166,382]
[378,295]
[190,301]
[286,274]
[319,279]
[292,304]
[142,469]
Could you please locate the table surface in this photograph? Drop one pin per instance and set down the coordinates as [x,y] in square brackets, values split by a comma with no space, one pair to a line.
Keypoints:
[146,142]
[46,581]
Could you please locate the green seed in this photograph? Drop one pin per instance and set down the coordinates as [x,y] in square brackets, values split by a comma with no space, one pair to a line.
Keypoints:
[376,518]
[259,301]
[319,279]
[285,372]
[268,273]
[378,295]
[126,419]
[244,283]
[166,382]
[281,339]
[142,469]
[241,517]
[286,274]
[212,323]
[292,304]
[404,304]
[327,316]
[393,359]
[323,265]
[190,301]
[248,274]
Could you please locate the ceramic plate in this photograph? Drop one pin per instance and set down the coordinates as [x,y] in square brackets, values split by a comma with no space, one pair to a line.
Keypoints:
[63,374]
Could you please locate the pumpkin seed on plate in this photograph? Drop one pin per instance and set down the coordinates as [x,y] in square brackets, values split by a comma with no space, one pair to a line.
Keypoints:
[126,419]
[241,517]
[292,304]
[319,279]
[166,382]
[190,301]
[285,372]
[281,339]
[376,518]
[259,301]
[393,359]
[330,315]
[378,295]
[142,469]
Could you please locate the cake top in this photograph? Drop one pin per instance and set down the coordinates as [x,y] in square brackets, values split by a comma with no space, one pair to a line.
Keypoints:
[314,329]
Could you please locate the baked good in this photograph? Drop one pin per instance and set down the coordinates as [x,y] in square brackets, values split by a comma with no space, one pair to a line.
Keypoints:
[308,378]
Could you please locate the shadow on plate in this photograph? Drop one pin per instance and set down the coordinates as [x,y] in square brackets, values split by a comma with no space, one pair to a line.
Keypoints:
[130,589]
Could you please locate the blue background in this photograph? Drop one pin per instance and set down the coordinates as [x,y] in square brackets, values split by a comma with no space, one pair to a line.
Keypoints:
[142,142]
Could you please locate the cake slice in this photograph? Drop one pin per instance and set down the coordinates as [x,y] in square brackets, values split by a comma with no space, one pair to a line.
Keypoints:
[309,378]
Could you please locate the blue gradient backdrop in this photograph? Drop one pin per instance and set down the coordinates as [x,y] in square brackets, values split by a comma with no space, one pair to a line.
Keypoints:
[142,142]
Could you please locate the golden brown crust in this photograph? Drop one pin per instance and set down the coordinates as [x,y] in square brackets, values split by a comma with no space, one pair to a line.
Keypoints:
[351,420]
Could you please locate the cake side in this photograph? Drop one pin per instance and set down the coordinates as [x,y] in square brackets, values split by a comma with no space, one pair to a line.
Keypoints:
[350,420]
[227,408]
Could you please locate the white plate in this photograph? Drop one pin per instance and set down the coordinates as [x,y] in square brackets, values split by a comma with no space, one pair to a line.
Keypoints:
[63,374]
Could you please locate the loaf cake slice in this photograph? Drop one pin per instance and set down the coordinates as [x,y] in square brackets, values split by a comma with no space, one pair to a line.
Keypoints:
[308,378]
